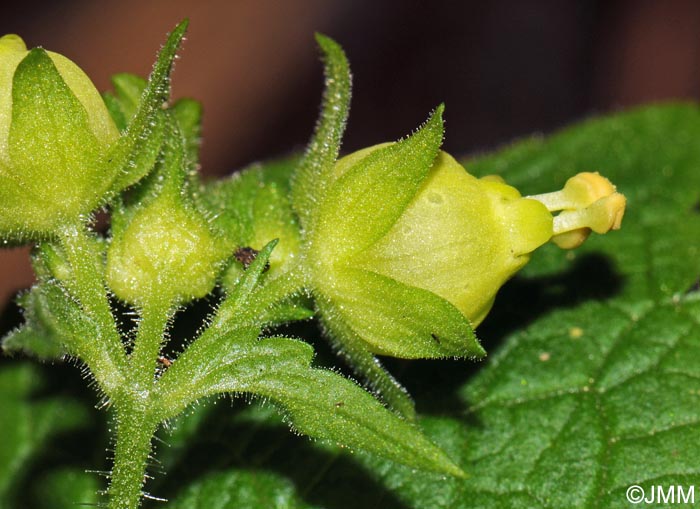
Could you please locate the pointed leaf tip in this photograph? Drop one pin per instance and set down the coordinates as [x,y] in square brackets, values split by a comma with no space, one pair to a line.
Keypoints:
[310,178]
[181,27]
[144,132]
[436,119]
[326,43]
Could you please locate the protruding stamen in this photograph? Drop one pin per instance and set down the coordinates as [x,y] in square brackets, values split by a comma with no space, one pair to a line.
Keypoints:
[579,191]
[588,202]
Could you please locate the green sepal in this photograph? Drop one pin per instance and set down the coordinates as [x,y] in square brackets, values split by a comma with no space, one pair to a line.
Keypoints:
[50,261]
[295,309]
[129,89]
[364,202]
[250,281]
[310,178]
[140,144]
[373,374]
[124,103]
[33,342]
[55,324]
[37,337]
[390,317]
[250,208]
[115,111]
[247,210]
[123,106]
[188,114]
[255,298]
[55,157]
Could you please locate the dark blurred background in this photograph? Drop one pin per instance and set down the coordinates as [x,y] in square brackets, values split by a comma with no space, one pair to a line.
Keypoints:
[504,68]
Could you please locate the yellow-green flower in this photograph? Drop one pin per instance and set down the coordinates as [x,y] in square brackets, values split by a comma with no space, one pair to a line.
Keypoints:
[409,272]
[55,132]
[404,251]
[462,238]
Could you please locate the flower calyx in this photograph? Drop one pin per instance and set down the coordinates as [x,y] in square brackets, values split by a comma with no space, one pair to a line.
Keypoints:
[55,134]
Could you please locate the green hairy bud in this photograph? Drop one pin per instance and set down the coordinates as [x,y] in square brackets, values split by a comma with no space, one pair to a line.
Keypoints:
[55,132]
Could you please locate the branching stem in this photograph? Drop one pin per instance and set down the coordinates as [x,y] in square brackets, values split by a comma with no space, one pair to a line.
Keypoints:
[106,358]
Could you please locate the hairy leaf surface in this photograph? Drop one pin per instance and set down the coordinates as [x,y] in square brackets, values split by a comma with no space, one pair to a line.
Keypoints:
[593,382]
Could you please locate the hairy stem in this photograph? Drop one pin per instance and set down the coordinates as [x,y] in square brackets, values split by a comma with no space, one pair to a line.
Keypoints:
[135,430]
[149,340]
[106,357]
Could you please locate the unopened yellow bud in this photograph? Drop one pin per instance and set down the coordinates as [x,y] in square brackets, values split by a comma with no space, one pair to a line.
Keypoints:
[55,134]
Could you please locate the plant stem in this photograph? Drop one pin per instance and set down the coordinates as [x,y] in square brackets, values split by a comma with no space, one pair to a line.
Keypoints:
[105,355]
[149,339]
[135,429]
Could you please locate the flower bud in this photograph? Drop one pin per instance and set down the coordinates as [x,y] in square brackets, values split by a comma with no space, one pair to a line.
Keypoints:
[462,238]
[55,132]
[166,252]
[163,252]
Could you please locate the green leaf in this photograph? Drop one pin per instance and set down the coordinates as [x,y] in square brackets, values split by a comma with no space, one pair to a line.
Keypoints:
[27,424]
[266,490]
[313,172]
[67,488]
[593,381]
[138,148]
[365,201]
[318,402]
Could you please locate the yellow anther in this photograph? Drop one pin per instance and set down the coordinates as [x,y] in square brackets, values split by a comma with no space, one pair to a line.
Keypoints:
[579,191]
[589,202]
[571,227]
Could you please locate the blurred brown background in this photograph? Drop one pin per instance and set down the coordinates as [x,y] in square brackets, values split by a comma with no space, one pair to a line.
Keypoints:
[504,68]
